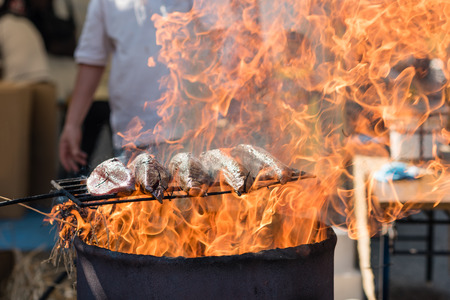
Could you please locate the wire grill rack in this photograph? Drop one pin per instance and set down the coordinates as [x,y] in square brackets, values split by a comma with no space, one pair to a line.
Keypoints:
[75,189]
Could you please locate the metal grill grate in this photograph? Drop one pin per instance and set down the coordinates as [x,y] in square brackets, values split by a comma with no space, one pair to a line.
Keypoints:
[75,189]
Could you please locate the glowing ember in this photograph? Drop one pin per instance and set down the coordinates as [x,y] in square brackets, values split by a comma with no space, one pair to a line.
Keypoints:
[151,62]
[313,83]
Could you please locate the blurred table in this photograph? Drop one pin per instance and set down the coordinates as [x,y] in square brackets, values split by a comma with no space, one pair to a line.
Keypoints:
[427,193]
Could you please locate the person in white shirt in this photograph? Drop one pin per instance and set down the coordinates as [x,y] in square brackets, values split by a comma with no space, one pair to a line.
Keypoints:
[123,30]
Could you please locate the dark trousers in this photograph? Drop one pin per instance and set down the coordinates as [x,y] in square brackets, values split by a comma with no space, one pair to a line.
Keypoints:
[96,119]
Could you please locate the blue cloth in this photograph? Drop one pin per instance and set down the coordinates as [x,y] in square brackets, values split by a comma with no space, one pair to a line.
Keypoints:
[27,233]
[396,171]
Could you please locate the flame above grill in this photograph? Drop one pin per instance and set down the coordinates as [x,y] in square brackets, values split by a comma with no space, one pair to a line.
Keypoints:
[302,79]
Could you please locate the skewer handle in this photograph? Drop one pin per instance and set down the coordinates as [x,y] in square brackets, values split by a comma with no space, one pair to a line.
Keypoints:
[31,198]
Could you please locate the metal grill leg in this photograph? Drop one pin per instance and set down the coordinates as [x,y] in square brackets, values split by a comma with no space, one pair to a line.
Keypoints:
[430,246]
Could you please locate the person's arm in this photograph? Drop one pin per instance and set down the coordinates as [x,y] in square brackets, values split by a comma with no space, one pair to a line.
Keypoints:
[70,153]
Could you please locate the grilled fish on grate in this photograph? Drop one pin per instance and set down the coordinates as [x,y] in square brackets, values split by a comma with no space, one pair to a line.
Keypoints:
[218,162]
[189,174]
[110,177]
[261,164]
[151,177]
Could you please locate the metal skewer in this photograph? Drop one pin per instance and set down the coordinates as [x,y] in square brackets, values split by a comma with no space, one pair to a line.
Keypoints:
[32,198]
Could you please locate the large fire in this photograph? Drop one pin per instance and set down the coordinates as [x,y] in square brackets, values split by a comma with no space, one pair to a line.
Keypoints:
[314,83]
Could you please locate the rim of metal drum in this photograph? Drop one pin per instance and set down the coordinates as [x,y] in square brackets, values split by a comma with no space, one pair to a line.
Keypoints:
[296,252]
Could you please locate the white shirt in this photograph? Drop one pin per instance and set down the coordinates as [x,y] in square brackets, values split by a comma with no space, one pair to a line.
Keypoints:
[124,29]
[22,51]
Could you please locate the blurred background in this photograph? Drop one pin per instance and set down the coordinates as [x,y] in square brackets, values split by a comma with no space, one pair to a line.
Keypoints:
[37,75]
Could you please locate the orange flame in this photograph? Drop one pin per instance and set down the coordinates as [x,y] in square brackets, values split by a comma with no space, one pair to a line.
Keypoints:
[313,82]
[151,62]
[215,225]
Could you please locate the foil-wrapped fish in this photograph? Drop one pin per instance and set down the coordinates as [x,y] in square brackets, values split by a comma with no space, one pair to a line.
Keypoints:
[218,162]
[261,164]
[189,173]
[151,177]
[110,177]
